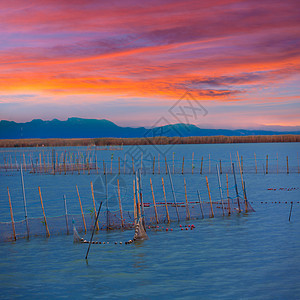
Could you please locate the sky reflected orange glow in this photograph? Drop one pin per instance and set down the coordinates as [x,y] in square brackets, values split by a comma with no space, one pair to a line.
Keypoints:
[129,61]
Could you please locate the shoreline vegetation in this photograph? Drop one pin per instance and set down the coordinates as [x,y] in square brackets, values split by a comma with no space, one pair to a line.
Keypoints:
[55,142]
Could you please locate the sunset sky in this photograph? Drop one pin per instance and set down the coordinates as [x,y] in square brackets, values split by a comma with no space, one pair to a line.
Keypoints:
[131,61]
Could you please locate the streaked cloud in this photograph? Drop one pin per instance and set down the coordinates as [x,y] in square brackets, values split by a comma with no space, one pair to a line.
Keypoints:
[93,52]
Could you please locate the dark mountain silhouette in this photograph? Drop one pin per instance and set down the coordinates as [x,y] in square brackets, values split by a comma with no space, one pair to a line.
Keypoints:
[92,128]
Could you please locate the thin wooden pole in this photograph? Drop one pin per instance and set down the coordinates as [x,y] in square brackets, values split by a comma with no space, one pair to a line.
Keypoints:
[24,161]
[193,163]
[154,203]
[153,165]
[174,196]
[173,163]
[96,162]
[124,163]
[11,215]
[220,189]
[200,203]
[241,172]
[24,201]
[132,165]
[220,166]
[255,163]
[134,203]
[182,169]
[242,164]
[65,168]
[158,162]
[166,165]
[66,213]
[228,198]
[40,157]
[120,204]
[111,162]
[188,216]
[287,165]
[167,211]
[106,198]
[267,164]
[93,196]
[45,220]
[291,211]
[236,188]
[81,209]
[201,165]
[91,239]
[138,196]
[211,207]
[104,169]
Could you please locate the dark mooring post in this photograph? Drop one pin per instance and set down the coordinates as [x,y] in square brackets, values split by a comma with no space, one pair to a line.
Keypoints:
[291,211]
[91,239]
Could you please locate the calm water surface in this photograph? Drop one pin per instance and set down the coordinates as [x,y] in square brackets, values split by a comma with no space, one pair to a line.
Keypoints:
[245,256]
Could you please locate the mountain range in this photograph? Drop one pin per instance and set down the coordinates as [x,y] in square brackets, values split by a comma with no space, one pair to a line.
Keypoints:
[93,128]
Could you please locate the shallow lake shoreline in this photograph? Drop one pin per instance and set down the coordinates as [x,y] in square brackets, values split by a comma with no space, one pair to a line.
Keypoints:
[55,142]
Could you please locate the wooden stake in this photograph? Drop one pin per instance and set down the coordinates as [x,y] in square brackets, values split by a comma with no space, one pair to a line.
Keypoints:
[188,216]
[236,189]
[132,165]
[66,213]
[124,163]
[154,203]
[111,160]
[220,189]
[11,215]
[91,239]
[167,211]
[241,172]
[201,165]
[93,196]
[193,163]
[104,169]
[45,220]
[291,211]
[153,165]
[24,201]
[120,205]
[211,207]
[200,202]
[81,209]
[96,162]
[267,164]
[182,169]
[173,163]
[287,165]
[134,204]
[228,198]
[166,165]
[158,162]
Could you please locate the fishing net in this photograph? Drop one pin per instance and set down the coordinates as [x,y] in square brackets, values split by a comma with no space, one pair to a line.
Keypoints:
[111,220]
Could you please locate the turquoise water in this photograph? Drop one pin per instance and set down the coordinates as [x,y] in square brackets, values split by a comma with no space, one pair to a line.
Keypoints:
[242,256]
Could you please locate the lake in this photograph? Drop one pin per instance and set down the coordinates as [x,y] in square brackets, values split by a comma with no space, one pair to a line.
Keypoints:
[252,255]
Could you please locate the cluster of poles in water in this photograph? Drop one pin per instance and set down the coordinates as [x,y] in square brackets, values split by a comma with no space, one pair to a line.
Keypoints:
[140,206]
[81,163]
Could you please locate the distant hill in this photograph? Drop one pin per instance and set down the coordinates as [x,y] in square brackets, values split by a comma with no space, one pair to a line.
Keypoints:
[91,128]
